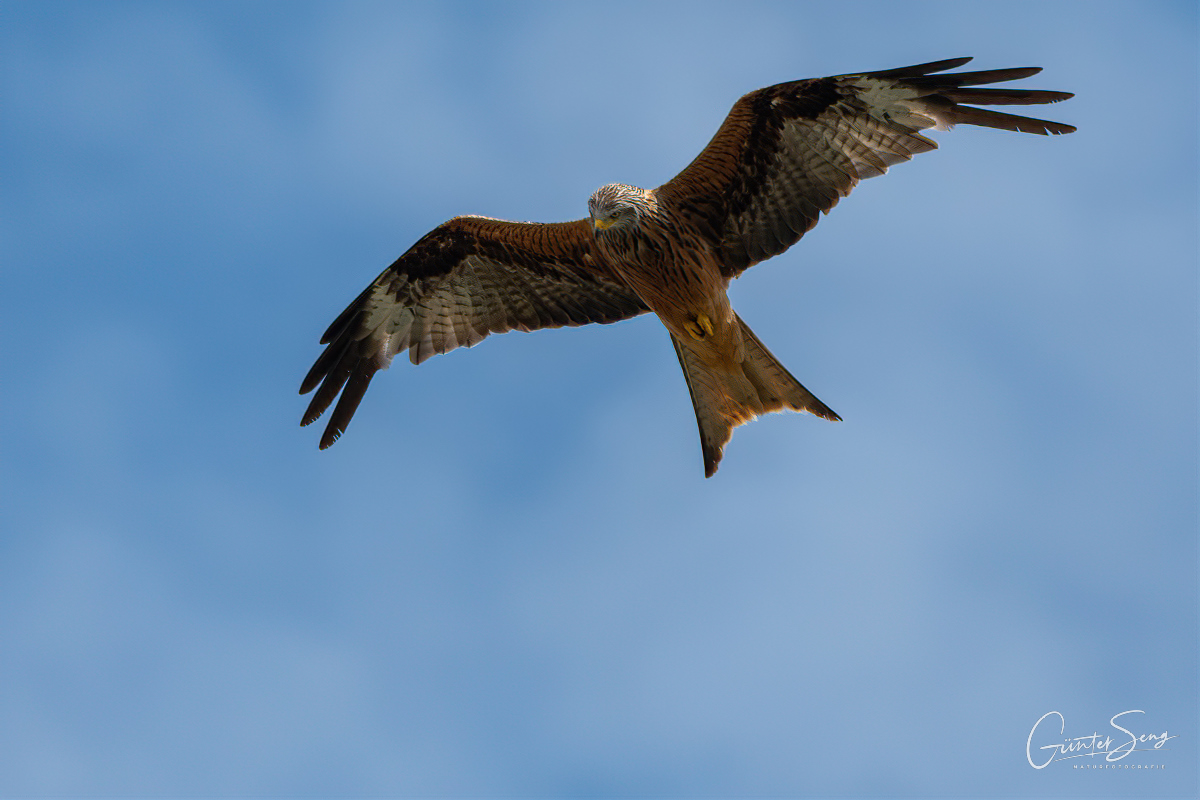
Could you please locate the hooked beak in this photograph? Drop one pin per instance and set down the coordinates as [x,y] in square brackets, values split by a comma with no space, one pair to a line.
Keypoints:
[601,224]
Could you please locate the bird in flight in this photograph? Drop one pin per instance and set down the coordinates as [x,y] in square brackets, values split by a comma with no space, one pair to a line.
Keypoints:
[784,155]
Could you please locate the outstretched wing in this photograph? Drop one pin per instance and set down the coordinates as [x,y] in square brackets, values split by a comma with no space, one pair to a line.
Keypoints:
[463,280]
[789,152]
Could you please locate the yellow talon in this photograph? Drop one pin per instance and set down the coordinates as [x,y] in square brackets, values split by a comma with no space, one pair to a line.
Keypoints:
[700,327]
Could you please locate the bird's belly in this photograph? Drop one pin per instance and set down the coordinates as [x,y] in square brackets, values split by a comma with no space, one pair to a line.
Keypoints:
[692,304]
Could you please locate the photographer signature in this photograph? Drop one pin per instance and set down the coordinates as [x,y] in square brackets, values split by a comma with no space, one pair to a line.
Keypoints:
[1095,744]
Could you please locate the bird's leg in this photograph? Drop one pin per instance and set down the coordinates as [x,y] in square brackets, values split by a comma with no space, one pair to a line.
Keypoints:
[699,326]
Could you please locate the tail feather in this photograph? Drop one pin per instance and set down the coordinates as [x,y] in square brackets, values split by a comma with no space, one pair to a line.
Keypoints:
[723,399]
[765,371]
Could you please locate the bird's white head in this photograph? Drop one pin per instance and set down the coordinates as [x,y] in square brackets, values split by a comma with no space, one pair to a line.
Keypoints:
[619,207]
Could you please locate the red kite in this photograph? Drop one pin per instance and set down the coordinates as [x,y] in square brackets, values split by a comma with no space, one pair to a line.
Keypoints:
[784,155]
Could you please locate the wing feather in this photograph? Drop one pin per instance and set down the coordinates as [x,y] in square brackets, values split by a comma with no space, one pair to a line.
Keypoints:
[788,153]
[462,281]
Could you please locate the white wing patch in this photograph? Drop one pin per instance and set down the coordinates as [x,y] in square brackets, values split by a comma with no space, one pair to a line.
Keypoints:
[895,103]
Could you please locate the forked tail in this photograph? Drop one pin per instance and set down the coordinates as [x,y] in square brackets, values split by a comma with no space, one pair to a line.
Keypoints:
[725,399]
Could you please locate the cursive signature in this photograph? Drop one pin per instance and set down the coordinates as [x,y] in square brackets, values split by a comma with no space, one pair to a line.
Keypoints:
[1095,744]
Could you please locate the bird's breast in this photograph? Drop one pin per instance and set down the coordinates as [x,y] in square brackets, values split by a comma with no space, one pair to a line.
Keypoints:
[681,281]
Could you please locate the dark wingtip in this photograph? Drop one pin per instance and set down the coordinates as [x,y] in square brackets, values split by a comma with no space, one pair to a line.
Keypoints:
[921,69]
[1015,73]
[311,415]
[310,382]
[352,394]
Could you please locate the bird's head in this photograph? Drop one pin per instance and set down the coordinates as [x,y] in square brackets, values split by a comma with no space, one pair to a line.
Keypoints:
[618,207]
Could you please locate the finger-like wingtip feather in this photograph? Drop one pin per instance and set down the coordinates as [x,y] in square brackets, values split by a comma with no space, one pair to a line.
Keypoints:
[940,98]
[976,78]
[325,395]
[921,69]
[1009,122]
[352,395]
[1005,97]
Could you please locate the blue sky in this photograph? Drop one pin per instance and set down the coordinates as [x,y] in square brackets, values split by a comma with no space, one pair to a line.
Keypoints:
[510,577]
